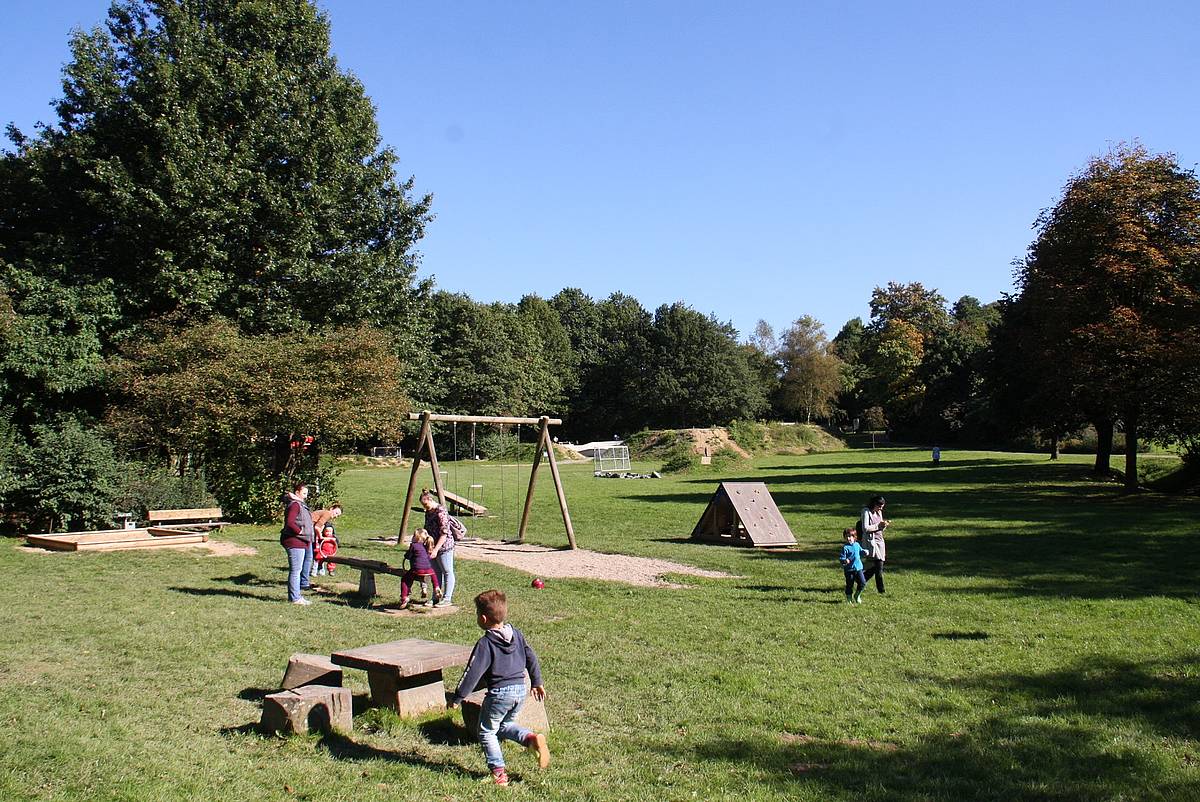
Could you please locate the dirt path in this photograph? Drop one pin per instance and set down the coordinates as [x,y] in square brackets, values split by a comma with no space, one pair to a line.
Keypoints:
[580,563]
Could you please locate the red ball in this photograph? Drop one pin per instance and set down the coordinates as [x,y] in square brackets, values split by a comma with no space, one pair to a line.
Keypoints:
[537,583]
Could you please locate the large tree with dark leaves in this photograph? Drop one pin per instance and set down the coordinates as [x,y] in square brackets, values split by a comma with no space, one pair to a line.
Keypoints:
[211,159]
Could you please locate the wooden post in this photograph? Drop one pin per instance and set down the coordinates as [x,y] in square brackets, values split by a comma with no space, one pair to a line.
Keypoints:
[543,424]
[562,494]
[412,478]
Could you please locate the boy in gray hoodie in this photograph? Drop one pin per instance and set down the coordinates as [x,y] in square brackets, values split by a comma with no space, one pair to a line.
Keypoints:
[499,662]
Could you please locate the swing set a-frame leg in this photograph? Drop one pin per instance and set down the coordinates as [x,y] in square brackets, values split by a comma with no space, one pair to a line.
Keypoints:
[543,442]
[424,443]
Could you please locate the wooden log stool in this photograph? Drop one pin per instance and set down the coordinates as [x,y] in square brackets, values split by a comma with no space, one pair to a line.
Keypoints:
[307,708]
[406,675]
[532,716]
[311,669]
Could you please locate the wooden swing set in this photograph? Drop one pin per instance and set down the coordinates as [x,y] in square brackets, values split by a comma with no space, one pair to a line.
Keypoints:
[544,445]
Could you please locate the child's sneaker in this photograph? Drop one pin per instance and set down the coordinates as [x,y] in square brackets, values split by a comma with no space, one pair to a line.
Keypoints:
[405,604]
[858,597]
[849,599]
[500,776]
[429,604]
[536,742]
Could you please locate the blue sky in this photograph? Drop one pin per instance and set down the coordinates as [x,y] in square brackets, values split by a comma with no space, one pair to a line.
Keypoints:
[755,160]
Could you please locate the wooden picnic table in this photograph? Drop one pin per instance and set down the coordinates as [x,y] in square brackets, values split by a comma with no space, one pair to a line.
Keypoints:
[406,675]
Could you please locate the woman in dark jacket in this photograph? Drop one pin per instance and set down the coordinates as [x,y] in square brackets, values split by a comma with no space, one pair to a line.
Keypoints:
[297,540]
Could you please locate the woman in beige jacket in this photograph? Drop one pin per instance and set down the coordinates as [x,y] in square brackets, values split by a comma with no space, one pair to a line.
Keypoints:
[871,525]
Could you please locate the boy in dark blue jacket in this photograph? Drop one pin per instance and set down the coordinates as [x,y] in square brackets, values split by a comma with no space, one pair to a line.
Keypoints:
[499,662]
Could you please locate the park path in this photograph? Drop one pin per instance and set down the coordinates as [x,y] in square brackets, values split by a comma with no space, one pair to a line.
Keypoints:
[547,562]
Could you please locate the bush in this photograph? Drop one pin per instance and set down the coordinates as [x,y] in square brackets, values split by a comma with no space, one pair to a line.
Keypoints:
[750,435]
[147,486]
[725,458]
[680,458]
[65,477]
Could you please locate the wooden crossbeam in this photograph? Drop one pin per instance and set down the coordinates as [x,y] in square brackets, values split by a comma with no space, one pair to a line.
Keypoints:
[439,418]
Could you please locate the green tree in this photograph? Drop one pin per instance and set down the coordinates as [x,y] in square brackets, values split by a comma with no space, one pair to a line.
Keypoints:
[697,374]
[211,159]
[921,308]
[614,364]
[906,321]
[498,359]
[1113,281]
[812,374]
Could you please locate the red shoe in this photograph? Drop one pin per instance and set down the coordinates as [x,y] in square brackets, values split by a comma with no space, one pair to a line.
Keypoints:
[500,776]
[537,743]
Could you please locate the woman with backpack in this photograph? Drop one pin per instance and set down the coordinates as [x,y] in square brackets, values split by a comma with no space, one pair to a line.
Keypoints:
[440,528]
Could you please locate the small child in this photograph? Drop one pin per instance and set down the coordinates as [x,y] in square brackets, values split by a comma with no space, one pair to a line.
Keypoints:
[325,547]
[419,566]
[499,662]
[851,560]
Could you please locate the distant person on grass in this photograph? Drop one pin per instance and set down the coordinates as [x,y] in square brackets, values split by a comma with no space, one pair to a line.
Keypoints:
[499,662]
[871,525]
[437,523]
[851,560]
[419,567]
[296,537]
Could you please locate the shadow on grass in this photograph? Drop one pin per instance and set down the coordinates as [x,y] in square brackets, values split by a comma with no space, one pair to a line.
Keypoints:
[1061,735]
[237,594]
[1026,528]
[961,636]
[447,732]
[249,579]
[342,747]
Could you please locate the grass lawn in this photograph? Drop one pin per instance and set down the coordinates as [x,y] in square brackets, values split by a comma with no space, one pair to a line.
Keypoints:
[1039,640]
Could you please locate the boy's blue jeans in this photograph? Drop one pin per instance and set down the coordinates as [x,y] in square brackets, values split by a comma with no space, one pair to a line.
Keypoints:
[497,721]
[299,568]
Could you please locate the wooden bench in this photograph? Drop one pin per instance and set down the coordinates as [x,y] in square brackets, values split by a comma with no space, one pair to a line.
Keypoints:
[406,675]
[195,518]
[367,571]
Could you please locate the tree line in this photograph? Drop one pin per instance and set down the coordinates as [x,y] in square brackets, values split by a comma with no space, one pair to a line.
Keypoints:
[208,278]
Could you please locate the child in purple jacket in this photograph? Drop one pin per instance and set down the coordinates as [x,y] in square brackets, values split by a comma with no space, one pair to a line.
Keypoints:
[419,567]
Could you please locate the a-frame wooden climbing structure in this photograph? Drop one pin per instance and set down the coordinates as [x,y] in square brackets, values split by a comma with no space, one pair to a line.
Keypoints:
[743,514]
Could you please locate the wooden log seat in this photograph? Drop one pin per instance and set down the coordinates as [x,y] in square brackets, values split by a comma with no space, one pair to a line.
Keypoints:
[308,708]
[311,669]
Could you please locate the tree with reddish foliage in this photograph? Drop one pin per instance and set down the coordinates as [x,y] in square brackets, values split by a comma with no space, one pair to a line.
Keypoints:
[1111,291]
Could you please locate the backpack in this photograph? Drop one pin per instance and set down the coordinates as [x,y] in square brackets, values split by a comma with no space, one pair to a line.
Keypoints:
[457,529]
